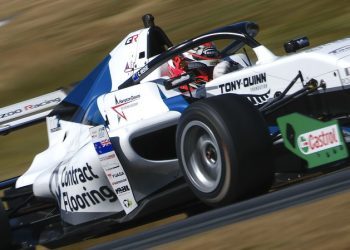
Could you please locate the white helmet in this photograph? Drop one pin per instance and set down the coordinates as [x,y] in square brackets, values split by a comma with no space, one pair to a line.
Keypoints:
[202,59]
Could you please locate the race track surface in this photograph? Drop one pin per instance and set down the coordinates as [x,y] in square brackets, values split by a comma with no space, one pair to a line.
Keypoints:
[301,193]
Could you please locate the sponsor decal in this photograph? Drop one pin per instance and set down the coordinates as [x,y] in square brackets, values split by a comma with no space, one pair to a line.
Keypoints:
[127,203]
[44,103]
[97,134]
[131,39]
[129,67]
[254,82]
[75,176]
[54,124]
[107,157]
[258,99]
[113,169]
[123,104]
[118,182]
[100,133]
[122,189]
[137,75]
[329,45]
[30,107]
[340,50]
[103,146]
[11,113]
[315,141]
[128,99]
[115,175]
[78,189]
[87,199]
[318,140]
[55,129]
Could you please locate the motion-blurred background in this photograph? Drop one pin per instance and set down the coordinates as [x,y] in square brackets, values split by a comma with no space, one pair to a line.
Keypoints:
[48,44]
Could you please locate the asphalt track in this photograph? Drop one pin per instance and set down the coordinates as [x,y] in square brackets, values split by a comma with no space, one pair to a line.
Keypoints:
[300,193]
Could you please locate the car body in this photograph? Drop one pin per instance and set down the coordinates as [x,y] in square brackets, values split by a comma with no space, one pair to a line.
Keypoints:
[114,139]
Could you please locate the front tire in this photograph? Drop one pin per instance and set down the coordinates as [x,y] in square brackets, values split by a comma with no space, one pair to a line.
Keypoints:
[224,149]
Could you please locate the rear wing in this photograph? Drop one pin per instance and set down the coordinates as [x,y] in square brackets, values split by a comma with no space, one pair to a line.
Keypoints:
[29,112]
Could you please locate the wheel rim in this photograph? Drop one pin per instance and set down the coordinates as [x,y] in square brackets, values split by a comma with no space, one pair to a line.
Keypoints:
[201,156]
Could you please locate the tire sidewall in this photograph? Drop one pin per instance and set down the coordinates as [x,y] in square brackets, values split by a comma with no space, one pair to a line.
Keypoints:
[227,154]
[245,147]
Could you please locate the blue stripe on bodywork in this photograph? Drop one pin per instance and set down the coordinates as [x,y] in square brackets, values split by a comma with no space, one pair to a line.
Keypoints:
[176,103]
[85,94]
[93,115]
[161,94]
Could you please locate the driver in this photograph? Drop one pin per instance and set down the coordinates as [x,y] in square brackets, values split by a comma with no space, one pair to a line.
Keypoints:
[204,61]
[200,60]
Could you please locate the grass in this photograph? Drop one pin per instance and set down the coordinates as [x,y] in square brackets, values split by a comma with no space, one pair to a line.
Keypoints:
[43,48]
[320,225]
[49,44]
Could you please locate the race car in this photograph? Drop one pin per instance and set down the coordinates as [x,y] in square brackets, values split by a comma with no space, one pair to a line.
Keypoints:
[131,139]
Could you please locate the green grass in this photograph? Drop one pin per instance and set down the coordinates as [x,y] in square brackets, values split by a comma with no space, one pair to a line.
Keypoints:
[50,44]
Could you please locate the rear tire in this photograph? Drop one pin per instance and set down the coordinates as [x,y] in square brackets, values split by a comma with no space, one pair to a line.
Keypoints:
[224,149]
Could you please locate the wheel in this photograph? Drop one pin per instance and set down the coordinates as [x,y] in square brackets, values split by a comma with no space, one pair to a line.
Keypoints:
[5,230]
[224,149]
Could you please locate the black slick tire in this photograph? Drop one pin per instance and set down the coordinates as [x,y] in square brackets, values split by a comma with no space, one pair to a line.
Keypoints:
[224,149]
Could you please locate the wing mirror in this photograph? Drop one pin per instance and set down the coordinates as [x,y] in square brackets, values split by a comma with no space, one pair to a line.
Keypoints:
[296,44]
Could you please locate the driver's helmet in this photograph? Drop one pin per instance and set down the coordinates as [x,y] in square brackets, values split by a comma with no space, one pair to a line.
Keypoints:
[200,60]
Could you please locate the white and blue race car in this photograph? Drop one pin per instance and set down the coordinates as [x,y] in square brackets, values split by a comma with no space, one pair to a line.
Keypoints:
[127,140]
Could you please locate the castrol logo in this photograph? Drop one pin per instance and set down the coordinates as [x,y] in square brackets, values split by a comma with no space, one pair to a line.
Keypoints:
[319,140]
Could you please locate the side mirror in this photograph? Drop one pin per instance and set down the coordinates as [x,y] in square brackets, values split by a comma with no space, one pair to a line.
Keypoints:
[296,44]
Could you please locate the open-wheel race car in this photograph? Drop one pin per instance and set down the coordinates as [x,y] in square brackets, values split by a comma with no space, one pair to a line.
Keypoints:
[133,137]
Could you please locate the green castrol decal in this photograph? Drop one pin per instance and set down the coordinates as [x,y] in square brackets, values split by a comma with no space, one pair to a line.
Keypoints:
[316,142]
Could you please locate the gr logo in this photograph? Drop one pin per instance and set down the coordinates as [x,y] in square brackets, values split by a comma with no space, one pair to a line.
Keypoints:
[131,39]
